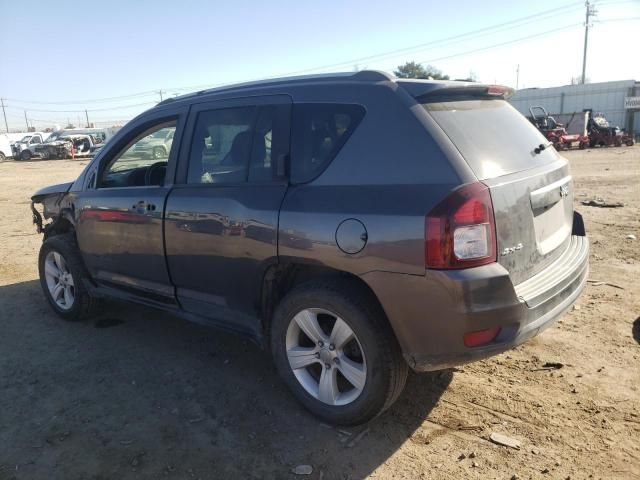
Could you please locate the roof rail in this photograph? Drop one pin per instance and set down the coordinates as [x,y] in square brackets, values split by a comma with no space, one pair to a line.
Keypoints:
[361,76]
[372,76]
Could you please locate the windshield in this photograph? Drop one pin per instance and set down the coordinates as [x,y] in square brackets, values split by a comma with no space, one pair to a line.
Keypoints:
[601,121]
[26,139]
[53,137]
[492,136]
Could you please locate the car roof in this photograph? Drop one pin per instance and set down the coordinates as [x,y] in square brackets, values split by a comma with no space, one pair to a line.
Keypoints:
[414,86]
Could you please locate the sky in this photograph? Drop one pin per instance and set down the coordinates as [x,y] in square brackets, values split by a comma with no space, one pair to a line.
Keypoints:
[59,58]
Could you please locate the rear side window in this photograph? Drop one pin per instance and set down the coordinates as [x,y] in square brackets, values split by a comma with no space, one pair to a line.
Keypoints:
[221,146]
[319,131]
[492,136]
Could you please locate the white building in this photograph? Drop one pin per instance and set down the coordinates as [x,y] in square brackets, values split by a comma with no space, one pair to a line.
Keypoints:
[606,97]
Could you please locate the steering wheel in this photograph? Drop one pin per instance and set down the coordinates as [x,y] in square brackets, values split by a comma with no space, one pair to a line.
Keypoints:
[155,173]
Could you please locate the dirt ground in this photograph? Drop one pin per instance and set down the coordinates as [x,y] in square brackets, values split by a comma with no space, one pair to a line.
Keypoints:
[139,394]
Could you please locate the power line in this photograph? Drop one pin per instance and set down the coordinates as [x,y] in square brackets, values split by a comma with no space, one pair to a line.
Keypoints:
[79,102]
[486,30]
[448,40]
[118,107]
[625,19]
[617,2]
[495,45]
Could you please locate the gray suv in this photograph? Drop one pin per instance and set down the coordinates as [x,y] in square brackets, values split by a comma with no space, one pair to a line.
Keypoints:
[356,225]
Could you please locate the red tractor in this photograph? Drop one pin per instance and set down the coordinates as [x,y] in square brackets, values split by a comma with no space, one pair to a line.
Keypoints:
[554,131]
[603,135]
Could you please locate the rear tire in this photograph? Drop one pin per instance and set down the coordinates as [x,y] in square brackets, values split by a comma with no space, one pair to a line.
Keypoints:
[63,278]
[367,371]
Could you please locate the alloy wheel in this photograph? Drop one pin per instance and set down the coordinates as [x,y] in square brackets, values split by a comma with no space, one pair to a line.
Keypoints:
[59,280]
[326,356]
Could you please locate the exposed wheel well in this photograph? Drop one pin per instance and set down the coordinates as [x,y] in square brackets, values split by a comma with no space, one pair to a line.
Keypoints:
[60,226]
[282,278]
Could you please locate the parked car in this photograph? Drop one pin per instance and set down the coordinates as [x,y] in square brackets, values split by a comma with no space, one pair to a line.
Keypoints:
[357,225]
[156,145]
[26,147]
[5,147]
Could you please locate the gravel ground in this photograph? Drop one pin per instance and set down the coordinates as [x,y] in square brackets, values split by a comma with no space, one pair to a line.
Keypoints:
[139,394]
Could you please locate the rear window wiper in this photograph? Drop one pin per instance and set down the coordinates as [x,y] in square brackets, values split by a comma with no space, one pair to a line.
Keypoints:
[542,147]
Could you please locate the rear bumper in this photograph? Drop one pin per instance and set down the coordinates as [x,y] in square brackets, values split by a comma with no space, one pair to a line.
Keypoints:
[430,314]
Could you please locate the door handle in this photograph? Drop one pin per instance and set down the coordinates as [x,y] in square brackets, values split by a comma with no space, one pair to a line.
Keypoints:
[143,206]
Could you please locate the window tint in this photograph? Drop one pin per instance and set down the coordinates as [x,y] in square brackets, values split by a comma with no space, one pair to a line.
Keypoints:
[494,138]
[221,146]
[319,131]
[261,167]
[132,166]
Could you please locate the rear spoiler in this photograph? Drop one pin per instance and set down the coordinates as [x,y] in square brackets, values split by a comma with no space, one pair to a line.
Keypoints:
[428,91]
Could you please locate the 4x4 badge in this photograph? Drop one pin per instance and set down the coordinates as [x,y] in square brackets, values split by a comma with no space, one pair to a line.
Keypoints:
[510,250]
[564,191]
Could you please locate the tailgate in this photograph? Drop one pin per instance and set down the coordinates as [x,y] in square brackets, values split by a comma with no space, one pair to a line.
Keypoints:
[531,188]
[534,218]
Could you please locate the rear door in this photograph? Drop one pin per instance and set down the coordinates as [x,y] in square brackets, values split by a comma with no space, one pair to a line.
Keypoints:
[222,215]
[531,188]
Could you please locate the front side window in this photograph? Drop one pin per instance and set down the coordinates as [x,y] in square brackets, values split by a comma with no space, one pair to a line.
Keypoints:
[221,146]
[142,162]
[319,131]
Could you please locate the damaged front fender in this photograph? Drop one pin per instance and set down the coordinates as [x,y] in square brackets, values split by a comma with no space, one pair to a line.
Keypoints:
[53,207]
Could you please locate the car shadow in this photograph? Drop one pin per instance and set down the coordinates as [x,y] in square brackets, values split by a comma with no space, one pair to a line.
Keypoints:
[136,392]
[635,330]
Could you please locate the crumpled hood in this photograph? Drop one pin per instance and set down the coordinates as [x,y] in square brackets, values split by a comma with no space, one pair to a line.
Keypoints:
[51,190]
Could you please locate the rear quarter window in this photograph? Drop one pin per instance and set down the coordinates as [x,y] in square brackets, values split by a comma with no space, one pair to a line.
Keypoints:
[492,136]
[319,131]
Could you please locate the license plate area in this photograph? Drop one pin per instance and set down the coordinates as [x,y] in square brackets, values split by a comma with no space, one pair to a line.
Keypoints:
[552,207]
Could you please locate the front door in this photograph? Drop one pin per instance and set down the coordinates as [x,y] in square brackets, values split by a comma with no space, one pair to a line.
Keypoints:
[119,217]
[222,215]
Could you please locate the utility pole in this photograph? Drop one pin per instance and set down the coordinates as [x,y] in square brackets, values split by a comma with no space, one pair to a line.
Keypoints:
[517,76]
[6,125]
[590,12]
[25,120]
[87,115]
[160,93]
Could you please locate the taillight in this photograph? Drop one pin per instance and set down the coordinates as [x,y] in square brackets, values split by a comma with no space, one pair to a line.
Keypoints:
[460,231]
[499,91]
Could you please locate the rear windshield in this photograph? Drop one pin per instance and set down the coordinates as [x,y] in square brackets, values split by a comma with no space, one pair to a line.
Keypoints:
[492,136]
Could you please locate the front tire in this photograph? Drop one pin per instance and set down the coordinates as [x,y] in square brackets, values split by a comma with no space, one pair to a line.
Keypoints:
[334,348]
[25,155]
[63,277]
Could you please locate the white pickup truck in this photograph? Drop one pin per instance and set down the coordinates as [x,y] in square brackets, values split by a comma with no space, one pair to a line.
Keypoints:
[26,147]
